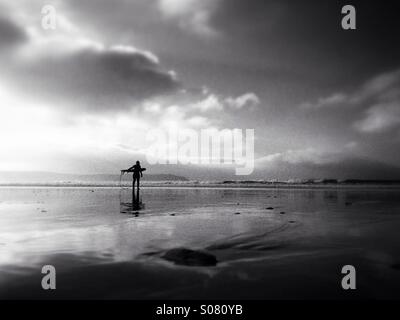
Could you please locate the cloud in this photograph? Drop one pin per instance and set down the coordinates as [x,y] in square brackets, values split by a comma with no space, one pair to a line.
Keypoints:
[210,103]
[301,156]
[199,122]
[312,155]
[380,118]
[379,88]
[312,163]
[382,95]
[378,101]
[192,15]
[213,102]
[91,77]
[247,100]
[10,34]
[180,112]
[333,100]
[69,69]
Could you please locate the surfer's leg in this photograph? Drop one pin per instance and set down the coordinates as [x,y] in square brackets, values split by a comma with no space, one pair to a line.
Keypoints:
[136,179]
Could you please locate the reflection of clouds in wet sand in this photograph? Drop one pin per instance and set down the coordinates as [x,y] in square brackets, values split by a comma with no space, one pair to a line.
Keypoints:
[190,243]
[303,275]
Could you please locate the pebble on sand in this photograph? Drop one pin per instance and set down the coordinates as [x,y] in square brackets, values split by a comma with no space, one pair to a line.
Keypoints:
[269,208]
[237,212]
[188,257]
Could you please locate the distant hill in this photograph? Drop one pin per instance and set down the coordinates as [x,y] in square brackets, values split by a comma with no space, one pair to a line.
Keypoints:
[51,177]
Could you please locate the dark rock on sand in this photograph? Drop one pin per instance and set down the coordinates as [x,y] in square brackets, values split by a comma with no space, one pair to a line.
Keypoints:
[188,257]
[172,214]
[269,208]
[282,212]
[292,221]
[396,266]
[237,212]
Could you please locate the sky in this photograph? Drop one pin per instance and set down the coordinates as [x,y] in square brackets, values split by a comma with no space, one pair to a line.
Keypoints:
[323,101]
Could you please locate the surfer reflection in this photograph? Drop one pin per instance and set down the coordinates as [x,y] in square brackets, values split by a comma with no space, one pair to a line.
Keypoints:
[132,206]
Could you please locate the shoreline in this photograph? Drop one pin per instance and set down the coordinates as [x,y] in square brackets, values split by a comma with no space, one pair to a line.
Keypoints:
[212,186]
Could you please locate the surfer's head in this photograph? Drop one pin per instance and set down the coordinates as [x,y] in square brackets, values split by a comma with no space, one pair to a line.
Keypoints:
[137,162]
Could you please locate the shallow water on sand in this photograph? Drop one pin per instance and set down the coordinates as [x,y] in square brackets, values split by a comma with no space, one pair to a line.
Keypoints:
[280,239]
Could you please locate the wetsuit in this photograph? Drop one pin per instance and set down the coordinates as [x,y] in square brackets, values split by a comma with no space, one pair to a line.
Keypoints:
[137,173]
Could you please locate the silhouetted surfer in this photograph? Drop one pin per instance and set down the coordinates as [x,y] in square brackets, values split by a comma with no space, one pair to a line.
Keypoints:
[137,171]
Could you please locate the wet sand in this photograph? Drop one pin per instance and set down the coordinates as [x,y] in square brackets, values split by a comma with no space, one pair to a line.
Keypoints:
[188,243]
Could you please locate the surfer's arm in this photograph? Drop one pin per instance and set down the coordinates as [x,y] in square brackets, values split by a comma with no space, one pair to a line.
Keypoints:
[140,170]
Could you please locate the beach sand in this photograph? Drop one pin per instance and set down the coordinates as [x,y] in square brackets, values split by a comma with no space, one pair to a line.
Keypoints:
[208,243]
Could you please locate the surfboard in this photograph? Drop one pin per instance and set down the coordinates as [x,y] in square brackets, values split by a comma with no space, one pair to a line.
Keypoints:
[127,171]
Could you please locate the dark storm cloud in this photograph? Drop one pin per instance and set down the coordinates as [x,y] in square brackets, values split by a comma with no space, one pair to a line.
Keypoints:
[307,36]
[10,34]
[93,79]
[329,67]
[376,102]
[90,77]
